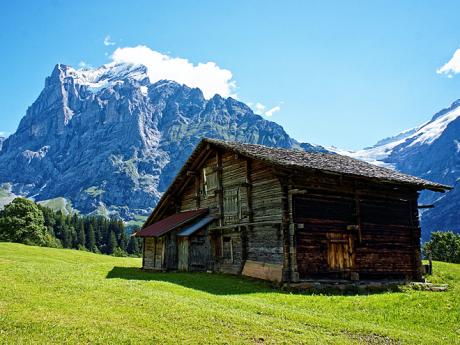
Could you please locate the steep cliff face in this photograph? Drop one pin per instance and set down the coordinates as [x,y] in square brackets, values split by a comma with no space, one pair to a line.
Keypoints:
[108,138]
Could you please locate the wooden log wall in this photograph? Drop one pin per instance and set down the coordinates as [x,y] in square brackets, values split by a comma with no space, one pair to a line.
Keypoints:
[254,223]
[380,221]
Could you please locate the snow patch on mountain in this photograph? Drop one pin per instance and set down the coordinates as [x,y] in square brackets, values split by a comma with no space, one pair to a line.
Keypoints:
[458,145]
[433,129]
[105,76]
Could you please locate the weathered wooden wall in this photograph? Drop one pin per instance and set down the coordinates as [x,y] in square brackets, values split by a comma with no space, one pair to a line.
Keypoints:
[346,228]
[182,253]
[199,251]
[153,253]
[247,204]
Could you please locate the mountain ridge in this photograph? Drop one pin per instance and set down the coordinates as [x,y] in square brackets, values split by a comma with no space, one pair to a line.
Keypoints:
[109,140]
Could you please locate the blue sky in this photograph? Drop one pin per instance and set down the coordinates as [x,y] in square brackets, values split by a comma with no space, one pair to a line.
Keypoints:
[342,73]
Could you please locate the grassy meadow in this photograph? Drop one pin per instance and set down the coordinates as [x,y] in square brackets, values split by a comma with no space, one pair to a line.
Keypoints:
[51,296]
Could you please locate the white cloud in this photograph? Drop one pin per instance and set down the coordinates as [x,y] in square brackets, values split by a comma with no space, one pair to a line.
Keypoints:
[273,110]
[108,41]
[209,77]
[261,109]
[83,64]
[452,66]
[4,134]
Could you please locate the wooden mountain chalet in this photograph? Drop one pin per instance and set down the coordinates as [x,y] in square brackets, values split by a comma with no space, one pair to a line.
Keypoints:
[287,216]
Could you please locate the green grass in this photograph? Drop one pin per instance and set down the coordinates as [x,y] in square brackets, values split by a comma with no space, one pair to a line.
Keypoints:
[6,196]
[138,220]
[59,204]
[51,296]
[94,191]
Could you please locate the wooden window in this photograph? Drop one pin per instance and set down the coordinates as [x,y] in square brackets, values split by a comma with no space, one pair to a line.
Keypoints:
[209,180]
[232,202]
[227,252]
[232,206]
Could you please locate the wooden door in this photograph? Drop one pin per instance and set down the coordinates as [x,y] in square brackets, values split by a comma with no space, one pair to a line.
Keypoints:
[340,252]
[158,253]
[182,249]
[324,245]
[199,253]
[171,251]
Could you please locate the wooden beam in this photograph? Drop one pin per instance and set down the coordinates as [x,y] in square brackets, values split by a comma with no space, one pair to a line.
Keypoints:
[197,191]
[231,226]
[285,228]
[143,253]
[220,195]
[425,206]
[200,160]
[247,229]
[358,214]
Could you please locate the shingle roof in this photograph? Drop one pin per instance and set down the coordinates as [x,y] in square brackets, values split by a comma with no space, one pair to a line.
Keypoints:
[289,158]
[170,223]
[328,162]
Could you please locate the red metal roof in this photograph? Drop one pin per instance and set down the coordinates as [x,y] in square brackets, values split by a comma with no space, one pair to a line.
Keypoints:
[170,223]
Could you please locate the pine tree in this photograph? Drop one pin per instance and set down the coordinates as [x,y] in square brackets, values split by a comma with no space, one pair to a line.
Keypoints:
[91,238]
[112,243]
[133,247]
[81,235]
[123,241]
[67,237]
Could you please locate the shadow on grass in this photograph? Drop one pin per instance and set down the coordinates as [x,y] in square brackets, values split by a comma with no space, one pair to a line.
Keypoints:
[223,284]
[214,283]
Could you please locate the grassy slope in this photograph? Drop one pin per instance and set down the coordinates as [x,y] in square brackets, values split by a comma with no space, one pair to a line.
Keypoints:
[55,296]
[59,204]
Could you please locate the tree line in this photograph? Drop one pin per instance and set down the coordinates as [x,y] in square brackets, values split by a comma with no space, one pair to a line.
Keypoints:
[26,222]
[443,246]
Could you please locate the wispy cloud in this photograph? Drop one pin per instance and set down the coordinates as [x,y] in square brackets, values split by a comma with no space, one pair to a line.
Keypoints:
[4,134]
[452,66]
[209,77]
[83,64]
[273,110]
[261,109]
[108,41]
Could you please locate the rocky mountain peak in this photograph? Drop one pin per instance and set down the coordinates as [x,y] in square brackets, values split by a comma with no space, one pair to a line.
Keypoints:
[109,141]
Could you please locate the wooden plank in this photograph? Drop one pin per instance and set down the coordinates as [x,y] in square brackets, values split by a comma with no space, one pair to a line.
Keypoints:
[263,270]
